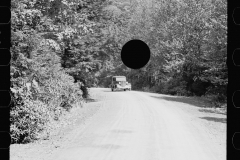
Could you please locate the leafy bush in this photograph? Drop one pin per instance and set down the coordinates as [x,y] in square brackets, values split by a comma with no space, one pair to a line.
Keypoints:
[146,89]
[36,106]
[28,119]
[217,94]
[174,86]
[33,110]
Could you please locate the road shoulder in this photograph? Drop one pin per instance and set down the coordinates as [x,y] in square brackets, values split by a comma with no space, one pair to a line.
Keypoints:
[201,115]
[78,117]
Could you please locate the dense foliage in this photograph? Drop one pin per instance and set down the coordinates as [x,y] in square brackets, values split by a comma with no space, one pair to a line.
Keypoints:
[188,40]
[54,59]
[60,48]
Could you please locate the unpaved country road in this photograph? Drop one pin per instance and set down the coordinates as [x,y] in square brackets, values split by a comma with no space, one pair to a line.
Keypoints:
[144,126]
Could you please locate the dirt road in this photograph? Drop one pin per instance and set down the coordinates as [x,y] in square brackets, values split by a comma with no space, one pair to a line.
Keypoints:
[145,126]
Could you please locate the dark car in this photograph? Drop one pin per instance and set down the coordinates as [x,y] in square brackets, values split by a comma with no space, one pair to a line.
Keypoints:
[120,83]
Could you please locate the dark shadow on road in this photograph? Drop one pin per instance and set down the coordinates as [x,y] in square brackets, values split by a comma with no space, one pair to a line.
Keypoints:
[114,91]
[187,100]
[88,100]
[210,111]
[215,119]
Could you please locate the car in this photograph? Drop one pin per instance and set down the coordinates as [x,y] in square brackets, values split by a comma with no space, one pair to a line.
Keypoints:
[120,83]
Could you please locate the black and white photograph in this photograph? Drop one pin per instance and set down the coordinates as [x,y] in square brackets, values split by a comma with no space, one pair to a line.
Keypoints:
[118,80]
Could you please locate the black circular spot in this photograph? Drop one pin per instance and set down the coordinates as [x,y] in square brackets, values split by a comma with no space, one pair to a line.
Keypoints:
[135,54]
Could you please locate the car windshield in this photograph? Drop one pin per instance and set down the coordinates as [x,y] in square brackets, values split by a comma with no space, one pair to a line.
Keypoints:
[119,79]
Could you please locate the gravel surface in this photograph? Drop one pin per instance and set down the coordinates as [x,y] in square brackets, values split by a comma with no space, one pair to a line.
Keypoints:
[134,125]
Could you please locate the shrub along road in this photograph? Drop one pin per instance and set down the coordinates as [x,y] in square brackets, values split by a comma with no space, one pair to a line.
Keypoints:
[141,126]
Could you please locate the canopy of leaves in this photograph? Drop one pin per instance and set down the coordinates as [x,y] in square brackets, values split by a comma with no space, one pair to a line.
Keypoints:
[187,38]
